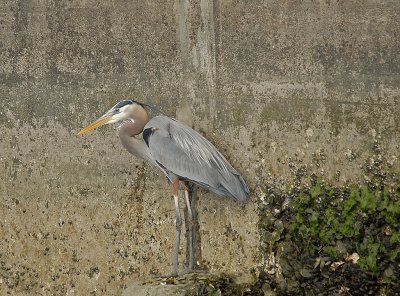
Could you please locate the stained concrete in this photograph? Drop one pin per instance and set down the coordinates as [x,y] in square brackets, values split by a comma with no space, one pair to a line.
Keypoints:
[268,82]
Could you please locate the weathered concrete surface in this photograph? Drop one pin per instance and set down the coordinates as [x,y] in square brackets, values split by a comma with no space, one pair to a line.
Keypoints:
[268,82]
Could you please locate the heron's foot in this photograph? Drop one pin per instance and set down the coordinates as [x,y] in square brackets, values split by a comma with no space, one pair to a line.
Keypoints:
[175,274]
[196,269]
[172,275]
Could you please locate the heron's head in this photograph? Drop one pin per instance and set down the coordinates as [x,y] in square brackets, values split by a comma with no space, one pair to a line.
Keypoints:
[121,111]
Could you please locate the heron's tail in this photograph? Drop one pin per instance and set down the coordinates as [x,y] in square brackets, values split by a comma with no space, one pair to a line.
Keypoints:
[231,184]
[235,186]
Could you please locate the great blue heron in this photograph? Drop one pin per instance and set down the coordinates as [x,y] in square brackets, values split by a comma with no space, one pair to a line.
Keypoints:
[180,152]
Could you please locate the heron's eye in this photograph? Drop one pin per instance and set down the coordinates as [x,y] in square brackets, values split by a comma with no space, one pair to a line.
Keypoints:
[116,110]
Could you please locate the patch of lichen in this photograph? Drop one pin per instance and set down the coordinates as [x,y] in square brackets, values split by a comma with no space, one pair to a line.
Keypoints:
[343,220]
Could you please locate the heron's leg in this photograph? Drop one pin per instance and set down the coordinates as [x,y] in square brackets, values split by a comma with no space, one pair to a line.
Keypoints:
[178,224]
[190,222]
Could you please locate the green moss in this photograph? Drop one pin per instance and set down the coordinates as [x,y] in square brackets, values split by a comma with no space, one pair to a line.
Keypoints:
[323,223]
[370,249]
[363,218]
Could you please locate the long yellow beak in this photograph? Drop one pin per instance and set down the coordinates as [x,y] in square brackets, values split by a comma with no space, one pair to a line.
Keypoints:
[101,121]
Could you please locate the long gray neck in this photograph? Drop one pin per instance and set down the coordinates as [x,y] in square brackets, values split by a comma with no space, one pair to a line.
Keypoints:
[131,128]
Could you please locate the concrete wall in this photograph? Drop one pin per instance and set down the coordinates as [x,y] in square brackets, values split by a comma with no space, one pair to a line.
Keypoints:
[269,82]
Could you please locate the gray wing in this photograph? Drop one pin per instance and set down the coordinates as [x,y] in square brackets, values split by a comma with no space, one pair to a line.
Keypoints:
[182,151]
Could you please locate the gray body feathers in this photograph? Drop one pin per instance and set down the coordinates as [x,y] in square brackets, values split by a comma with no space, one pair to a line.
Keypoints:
[181,151]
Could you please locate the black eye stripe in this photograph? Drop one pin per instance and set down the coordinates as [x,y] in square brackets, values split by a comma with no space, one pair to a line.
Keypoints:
[122,104]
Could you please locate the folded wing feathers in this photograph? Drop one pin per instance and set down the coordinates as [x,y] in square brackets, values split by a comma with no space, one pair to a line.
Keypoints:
[202,152]
[199,149]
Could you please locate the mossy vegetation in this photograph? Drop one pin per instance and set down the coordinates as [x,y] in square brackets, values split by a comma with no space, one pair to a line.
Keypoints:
[343,220]
[324,236]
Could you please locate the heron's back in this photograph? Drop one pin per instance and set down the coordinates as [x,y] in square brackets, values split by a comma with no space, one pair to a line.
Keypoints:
[181,151]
